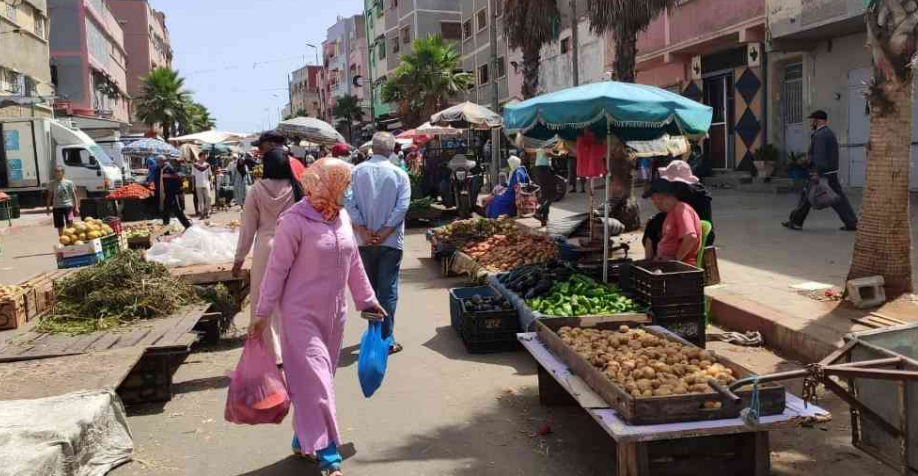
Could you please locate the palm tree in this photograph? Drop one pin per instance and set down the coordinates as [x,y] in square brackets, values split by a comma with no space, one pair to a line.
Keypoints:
[529,25]
[163,100]
[625,19]
[197,118]
[347,109]
[427,78]
[883,243]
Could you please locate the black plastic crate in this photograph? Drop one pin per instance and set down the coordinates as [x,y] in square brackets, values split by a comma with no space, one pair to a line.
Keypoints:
[136,210]
[690,328]
[490,342]
[676,280]
[678,311]
[457,295]
[615,266]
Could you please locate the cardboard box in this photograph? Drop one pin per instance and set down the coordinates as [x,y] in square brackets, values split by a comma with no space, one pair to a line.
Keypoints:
[13,313]
[90,247]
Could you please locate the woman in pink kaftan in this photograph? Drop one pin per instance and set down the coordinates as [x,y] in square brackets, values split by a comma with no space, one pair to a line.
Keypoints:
[315,256]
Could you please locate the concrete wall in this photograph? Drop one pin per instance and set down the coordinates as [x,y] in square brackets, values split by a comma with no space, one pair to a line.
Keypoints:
[26,52]
[697,19]
[790,17]
[825,86]
[557,73]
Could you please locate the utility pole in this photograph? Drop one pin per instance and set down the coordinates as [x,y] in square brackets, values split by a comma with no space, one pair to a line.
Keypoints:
[369,83]
[290,93]
[575,40]
[495,94]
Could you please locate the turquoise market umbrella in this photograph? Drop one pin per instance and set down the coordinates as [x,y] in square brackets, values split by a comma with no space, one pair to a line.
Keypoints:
[631,112]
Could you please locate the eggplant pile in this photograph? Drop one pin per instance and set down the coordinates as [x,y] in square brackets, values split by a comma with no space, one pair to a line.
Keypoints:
[478,303]
[536,280]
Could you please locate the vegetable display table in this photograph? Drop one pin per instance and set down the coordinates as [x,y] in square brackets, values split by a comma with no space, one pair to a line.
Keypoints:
[724,447]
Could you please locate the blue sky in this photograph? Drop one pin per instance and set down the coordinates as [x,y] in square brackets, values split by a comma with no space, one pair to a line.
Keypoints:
[217,42]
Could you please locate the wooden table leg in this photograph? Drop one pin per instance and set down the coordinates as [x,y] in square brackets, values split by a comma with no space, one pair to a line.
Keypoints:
[631,459]
[762,454]
[551,393]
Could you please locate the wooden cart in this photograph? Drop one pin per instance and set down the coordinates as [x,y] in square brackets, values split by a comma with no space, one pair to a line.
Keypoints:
[724,447]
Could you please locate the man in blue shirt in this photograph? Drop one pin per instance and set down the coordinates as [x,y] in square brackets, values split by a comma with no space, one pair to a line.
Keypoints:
[378,205]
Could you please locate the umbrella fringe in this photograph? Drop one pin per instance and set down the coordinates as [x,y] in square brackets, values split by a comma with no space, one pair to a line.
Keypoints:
[602,116]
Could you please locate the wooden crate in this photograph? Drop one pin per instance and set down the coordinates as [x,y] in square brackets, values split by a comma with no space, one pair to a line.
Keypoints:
[13,313]
[655,410]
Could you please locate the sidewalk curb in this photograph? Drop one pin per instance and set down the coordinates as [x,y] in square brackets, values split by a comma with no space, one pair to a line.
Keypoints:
[740,314]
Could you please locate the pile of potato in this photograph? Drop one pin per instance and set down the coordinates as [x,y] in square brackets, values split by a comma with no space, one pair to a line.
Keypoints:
[9,293]
[646,365]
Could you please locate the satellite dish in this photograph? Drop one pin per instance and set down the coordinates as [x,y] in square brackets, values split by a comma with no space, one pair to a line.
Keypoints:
[358,81]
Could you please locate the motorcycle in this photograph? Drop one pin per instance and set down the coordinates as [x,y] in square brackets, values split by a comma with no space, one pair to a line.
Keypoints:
[465,185]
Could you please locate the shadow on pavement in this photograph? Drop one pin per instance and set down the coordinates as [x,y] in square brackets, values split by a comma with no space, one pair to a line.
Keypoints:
[296,466]
[447,343]
[201,384]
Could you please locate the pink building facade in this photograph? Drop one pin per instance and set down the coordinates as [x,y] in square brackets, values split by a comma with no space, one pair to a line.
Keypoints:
[146,42]
[711,51]
[88,60]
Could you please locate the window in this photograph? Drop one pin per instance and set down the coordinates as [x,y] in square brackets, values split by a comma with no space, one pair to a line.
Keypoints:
[382,49]
[39,28]
[14,83]
[565,45]
[501,67]
[482,17]
[395,45]
[76,157]
[450,30]
[10,11]
[406,35]
[394,4]
[498,8]
[370,20]
[483,77]
[379,10]
[467,29]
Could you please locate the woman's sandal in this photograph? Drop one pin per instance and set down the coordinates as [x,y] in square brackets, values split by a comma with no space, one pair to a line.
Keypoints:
[333,471]
[395,348]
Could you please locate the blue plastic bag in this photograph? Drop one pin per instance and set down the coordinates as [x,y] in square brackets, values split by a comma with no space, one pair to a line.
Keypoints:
[374,356]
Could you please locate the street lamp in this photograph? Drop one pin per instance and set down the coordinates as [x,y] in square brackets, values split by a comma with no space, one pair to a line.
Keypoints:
[316,48]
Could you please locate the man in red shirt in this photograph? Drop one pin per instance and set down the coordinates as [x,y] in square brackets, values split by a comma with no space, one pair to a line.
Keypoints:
[681,229]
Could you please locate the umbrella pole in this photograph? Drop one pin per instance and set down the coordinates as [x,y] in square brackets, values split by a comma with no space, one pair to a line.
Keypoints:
[591,217]
[605,222]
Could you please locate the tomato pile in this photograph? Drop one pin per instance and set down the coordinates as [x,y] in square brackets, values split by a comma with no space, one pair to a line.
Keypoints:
[131,192]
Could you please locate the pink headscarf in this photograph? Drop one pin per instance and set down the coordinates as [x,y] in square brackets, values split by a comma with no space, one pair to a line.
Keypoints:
[324,183]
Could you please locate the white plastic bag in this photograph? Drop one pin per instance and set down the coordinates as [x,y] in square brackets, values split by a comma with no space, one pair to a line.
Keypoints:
[198,245]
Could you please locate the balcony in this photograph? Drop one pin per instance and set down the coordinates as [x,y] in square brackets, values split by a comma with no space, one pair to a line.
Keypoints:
[797,23]
[703,26]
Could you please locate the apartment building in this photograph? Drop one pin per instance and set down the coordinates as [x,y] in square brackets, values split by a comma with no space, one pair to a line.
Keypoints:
[146,41]
[344,60]
[818,59]
[711,51]
[25,76]
[556,71]
[392,25]
[304,92]
[88,61]
[477,55]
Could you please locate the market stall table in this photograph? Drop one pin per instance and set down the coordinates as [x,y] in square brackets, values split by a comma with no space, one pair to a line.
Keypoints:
[703,447]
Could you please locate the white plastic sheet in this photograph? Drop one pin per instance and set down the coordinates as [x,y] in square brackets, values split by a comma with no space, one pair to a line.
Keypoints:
[198,245]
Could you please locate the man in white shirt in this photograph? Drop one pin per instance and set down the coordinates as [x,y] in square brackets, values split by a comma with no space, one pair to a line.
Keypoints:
[203,177]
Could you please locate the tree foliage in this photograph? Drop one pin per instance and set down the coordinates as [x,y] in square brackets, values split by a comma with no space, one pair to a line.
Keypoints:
[347,109]
[163,101]
[625,19]
[426,79]
[529,25]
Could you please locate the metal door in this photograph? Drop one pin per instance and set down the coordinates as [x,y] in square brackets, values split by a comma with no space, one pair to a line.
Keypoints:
[858,127]
[795,136]
[718,93]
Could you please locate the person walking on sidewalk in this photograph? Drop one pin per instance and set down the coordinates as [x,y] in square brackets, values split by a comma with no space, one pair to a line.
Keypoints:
[202,176]
[314,259]
[62,200]
[378,205]
[172,192]
[823,155]
[271,196]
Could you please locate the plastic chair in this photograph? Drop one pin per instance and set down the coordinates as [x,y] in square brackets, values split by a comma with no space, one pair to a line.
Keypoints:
[706,228]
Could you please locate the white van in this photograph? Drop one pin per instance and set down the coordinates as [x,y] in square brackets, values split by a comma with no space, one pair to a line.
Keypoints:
[32,148]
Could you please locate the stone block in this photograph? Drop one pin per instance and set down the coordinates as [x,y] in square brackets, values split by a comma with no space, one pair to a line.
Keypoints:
[867,292]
